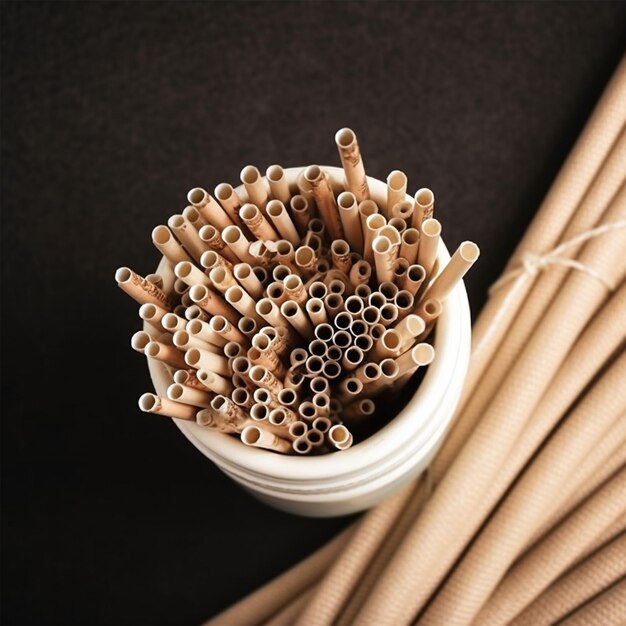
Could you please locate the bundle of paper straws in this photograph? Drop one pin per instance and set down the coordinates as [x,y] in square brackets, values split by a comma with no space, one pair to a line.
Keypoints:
[293,308]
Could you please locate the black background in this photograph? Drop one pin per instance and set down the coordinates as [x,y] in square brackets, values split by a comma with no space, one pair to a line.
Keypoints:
[110,113]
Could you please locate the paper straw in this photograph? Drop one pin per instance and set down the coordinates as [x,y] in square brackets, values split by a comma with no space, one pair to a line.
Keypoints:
[268,359]
[140,340]
[401,213]
[210,210]
[350,387]
[211,259]
[229,199]
[190,274]
[318,348]
[430,233]
[306,260]
[368,373]
[322,404]
[340,437]
[214,382]
[155,279]
[233,349]
[237,242]
[283,417]
[577,586]
[300,212]
[419,356]
[410,244]
[213,238]
[294,289]
[187,395]
[396,190]
[414,279]
[164,353]
[194,312]
[241,301]
[279,188]
[255,186]
[350,155]
[409,328]
[192,215]
[429,310]
[349,216]
[248,280]
[187,235]
[389,290]
[340,251]
[210,302]
[140,289]
[316,311]
[331,369]
[352,358]
[363,342]
[241,397]
[203,331]
[463,258]
[322,424]
[281,220]
[166,244]
[151,403]
[222,327]
[262,377]
[301,445]
[294,314]
[184,341]
[256,222]
[376,331]
[388,314]
[233,416]
[314,437]
[199,358]
[400,267]
[389,345]
[248,326]
[404,302]
[373,224]
[366,208]
[424,207]
[385,255]
[324,199]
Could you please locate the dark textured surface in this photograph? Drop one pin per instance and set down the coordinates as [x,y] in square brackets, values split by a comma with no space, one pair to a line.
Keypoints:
[110,113]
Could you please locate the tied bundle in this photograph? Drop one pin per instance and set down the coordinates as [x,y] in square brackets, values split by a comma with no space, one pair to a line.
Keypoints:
[284,309]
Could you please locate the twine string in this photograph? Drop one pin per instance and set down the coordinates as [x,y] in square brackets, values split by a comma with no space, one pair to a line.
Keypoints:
[531,264]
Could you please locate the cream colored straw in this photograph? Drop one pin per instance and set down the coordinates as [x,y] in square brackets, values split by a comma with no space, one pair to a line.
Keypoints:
[237,242]
[255,186]
[400,214]
[151,403]
[306,260]
[209,301]
[211,259]
[192,215]
[202,330]
[277,180]
[229,199]
[187,235]
[424,207]
[396,190]
[282,221]
[140,289]
[349,215]
[301,212]
[187,395]
[210,210]
[184,341]
[384,256]
[242,301]
[260,438]
[190,274]
[325,199]
[247,279]
[429,243]
[203,359]
[214,382]
[167,354]
[140,340]
[414,279]
[464,257]
[340,251]
[410,243]
[409,328]
[256,222]
[213,238]
[294,314]
[166,244]
[350,155]
[340,437]
[372,225]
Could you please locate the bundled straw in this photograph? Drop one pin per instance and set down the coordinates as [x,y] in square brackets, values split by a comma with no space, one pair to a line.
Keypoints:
[525,521]
[293,308]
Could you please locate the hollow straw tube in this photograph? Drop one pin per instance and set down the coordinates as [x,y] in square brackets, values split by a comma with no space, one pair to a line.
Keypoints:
[164,353]
[214,382]
[235,239]
[190,274]
[187,235]
[187,395]
[279,188]
[209,208]
[430,234]
[255,186]
[229,199]
[349,216]
[350,155]
[140,289]
[151,403]
[410,244]
[325,199]
[252,217]
[282,221]
[166,244]
[463,258]
[396,190]
[424,207]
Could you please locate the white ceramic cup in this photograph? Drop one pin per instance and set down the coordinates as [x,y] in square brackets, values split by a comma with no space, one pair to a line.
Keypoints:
[368,472]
